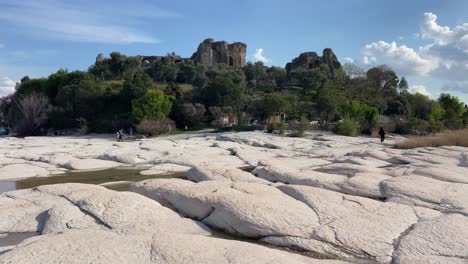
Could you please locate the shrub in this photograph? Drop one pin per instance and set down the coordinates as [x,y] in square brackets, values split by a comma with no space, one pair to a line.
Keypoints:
[413,127]
[276,127]
[240,128]
[348,127]
[297,128]
[365,115]
[153,127]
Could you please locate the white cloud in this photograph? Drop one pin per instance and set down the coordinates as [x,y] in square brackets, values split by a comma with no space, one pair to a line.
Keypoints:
[258,56]
[431,30]
[86,21]
[444,58]
[7,86]
[403,59]
[348,59]
[420,89]
[369,60]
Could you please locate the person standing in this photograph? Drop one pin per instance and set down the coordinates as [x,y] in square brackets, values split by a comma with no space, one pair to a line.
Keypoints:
[382,134]
[120,135]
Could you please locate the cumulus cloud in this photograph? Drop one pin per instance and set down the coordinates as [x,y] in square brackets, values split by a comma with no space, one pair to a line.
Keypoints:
[369,60]
[402,58]
[348,59]
[431,30]
[7,86]
[84,21]
[258,56]
[419,89]
[444,58]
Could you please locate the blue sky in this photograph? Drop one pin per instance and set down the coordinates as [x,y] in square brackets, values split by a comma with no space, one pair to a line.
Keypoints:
[426,41]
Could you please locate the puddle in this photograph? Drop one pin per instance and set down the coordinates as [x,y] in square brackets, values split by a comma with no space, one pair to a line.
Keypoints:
[123,176]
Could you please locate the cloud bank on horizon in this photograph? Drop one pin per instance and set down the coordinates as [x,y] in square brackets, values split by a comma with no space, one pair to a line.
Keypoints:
[445,57]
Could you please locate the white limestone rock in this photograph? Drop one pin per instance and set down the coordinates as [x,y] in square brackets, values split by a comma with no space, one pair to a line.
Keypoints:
[164,168]
[239,208]
[427,192]
[215,173]
[441,240]
[95,246]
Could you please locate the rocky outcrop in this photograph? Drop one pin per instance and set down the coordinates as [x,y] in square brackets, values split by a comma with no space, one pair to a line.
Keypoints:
[212,52]
[102,247]
[310,60]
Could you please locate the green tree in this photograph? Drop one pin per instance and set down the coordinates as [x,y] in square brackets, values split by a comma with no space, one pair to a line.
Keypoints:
[153,104]
[403,85]
[223,92]
[453,111]
[384,82]
[274,104]
[435,117]
[419,105]
[136,85]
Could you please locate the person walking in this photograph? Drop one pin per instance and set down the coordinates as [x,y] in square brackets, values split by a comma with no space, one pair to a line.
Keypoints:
[382,134]
[120,135]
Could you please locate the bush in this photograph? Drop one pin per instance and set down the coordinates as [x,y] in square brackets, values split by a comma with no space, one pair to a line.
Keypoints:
[241,128]
[276,127]
[348,127]
[413,127]
[365,115]
[297,128]
[153,127]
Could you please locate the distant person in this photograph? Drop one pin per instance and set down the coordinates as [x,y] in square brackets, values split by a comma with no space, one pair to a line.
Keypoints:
[120,135]
[185,127]
[382,134]
[131,131]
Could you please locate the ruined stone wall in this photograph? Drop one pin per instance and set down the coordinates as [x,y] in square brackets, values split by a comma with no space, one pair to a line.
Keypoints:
[210,52]
[310,60]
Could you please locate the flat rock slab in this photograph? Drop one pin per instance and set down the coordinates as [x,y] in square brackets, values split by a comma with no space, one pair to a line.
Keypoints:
[217,173]
[440,240]
[165,168]
[428,192]
[57,208]
[100,246]
[244,209]
[358,227]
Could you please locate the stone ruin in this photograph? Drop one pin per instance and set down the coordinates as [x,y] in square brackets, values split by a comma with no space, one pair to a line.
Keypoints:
[212,52]
[310,60]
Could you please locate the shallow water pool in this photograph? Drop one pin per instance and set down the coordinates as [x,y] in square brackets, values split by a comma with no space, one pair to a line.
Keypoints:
[121,177]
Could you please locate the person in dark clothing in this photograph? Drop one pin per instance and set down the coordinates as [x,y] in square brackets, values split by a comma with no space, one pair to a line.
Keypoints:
[120,135]
[382,134]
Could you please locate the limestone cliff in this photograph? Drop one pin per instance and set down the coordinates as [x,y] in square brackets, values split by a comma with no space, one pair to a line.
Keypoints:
[211,52]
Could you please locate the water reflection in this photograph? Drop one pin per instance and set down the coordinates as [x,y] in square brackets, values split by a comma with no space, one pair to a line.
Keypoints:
[89,177]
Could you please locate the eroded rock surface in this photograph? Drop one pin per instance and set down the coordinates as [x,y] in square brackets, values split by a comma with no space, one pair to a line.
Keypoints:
[352,199]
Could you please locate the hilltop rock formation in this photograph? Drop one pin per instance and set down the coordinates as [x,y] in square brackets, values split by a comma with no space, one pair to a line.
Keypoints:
[212,52]
[310,60]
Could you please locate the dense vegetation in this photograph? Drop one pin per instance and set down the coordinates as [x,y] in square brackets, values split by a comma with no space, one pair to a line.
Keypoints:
[123,92]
